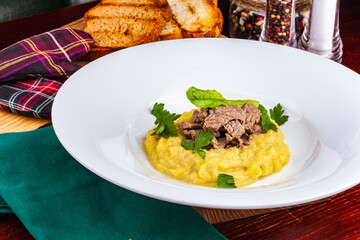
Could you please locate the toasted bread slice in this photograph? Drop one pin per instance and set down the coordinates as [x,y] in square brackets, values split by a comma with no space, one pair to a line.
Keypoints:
[200,18]
[123,32]
[125,23]
[125,11]
[159,3]
[171,31]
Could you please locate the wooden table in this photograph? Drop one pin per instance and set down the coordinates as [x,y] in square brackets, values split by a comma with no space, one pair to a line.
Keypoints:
[338,218]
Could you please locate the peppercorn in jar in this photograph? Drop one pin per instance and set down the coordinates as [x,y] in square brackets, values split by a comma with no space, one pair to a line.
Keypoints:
[279,23]
[247,18]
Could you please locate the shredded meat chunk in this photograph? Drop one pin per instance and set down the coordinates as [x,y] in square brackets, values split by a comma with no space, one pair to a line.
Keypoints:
[232,126]
[199,116]
[252,114]
[190,125]
[190,134]
[221,116]
[234,129]
[218,142]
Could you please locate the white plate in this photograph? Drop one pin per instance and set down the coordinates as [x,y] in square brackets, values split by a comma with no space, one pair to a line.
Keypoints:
[101,115]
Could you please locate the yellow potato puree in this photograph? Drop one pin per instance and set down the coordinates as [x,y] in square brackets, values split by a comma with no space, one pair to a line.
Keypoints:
[266,154]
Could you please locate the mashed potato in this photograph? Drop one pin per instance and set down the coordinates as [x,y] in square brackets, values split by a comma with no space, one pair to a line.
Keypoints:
[266,154]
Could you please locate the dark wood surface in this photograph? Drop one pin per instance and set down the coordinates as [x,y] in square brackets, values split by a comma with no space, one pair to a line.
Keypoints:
[16,30]
[335,219]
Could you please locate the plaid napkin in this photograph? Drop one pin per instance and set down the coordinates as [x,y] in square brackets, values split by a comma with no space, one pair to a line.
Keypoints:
[32,70]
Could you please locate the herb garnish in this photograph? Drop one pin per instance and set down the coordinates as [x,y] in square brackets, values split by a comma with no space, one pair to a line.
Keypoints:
[165,121]
[212,99]
[202,139]
[277,113]
[266,122]
[225,181]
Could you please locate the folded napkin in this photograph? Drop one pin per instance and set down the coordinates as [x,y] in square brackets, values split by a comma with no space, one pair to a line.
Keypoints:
[32,70]
[57,198]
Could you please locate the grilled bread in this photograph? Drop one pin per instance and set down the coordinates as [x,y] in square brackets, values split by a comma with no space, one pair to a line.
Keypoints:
[197,18]
[116,24]
[171,31]
[126,23]
[158,3]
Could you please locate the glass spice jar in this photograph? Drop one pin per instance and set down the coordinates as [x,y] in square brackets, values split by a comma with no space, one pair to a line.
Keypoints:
[246,18]
[279,23]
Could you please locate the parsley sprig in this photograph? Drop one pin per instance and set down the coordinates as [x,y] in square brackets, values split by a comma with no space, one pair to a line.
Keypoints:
[277,113]
[225,181]
[266,122]
[202,139]
[165,121]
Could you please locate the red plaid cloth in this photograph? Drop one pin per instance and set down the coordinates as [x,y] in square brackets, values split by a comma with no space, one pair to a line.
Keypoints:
[32,98]
[26,66]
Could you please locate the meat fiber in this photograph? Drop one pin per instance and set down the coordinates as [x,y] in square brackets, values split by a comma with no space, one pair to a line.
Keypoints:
[232,126]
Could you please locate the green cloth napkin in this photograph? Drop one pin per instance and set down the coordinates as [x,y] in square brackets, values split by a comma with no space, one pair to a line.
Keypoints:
[57,198]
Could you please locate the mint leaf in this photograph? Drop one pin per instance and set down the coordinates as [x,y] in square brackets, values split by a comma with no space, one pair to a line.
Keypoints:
[266,122]
[202,139]
[212,99]
[165,121]
[277,114]
[225,181]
